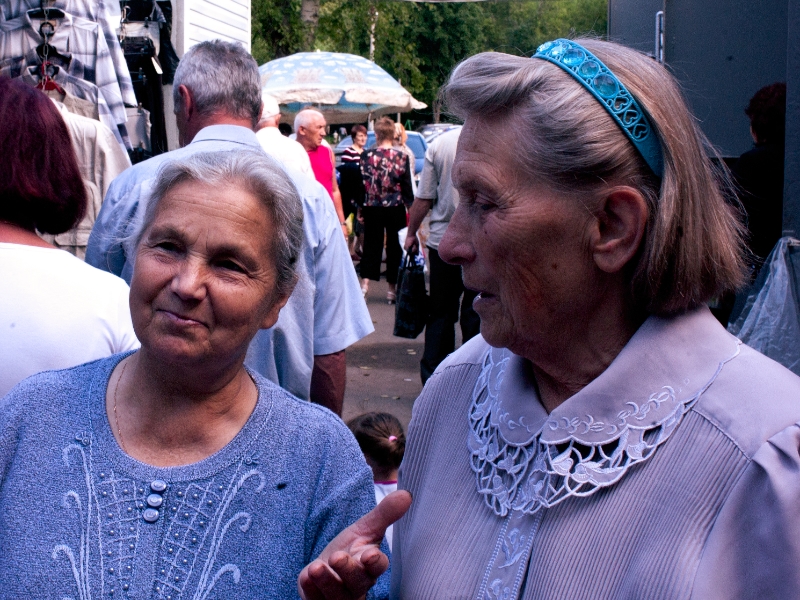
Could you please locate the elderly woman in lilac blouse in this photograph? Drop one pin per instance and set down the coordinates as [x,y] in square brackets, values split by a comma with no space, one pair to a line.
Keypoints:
[604,436]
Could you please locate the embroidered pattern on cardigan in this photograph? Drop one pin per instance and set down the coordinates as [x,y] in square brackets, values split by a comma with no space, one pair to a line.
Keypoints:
[198,518]
[535,475]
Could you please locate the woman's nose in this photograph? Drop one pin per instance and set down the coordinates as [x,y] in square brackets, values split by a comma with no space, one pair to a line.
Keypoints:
[456,245]
[189,283]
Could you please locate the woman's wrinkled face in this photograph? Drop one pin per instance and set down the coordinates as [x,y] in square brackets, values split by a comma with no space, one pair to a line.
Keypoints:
[524,247]
[360,139]
[204,277]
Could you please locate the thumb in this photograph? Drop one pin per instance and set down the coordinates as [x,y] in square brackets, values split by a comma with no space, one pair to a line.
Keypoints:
[373,525]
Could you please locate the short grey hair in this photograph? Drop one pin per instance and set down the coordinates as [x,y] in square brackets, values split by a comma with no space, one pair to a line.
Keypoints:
[259,174]
[692,248]
[304,117]
[222,76]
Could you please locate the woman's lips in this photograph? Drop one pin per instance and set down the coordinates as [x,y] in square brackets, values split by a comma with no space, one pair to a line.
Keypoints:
[182,320]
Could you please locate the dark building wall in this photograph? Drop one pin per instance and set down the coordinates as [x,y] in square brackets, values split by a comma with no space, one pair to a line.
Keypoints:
[791,190]
[633,23]
[723,51]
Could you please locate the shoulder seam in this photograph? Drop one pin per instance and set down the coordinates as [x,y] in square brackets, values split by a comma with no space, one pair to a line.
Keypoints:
[719,428]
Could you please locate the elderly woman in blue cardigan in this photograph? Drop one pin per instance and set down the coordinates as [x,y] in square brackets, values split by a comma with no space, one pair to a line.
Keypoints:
[173,471]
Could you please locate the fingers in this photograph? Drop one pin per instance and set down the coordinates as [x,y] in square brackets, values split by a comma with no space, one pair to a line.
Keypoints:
[306,583]
[373,525]
[344,578]
[350,564]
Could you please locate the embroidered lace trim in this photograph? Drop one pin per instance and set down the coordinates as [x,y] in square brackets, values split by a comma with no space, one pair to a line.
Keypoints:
[529,477]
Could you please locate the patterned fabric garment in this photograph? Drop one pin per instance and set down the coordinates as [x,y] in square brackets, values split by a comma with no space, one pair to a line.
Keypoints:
[351,155]
[82,39]
[75,86]
[387,177]
[105,13]
[81,519]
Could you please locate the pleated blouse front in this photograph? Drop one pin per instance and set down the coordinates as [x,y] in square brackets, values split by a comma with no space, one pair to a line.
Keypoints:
[692,491]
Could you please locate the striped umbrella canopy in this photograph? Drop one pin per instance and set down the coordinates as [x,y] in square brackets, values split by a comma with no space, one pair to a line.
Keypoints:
[346,88]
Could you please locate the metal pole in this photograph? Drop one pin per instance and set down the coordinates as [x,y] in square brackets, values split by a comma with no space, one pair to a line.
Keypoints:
[659,48]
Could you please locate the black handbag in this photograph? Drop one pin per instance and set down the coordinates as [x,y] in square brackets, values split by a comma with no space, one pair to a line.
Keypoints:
[411,309]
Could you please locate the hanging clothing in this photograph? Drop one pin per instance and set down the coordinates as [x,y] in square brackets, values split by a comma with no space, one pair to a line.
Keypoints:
[159,14]
[140,55]
[82,39]
[100,159]
[73,86]
[106,13]
[139,128]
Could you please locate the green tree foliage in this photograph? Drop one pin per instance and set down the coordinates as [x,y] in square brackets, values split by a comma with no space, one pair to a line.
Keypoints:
[276,29]
[420,43]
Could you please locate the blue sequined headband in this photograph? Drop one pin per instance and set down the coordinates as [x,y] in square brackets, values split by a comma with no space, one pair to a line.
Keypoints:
[609,91]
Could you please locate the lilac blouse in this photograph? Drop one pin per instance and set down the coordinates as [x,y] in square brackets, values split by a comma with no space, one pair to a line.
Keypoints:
[673,475]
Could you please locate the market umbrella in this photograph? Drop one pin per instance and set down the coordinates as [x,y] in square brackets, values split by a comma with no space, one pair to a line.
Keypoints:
[346,88]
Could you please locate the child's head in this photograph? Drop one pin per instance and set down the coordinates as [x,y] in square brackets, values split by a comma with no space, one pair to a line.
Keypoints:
[382,440]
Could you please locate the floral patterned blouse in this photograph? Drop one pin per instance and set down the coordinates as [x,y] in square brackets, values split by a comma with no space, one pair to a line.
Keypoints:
[387,177]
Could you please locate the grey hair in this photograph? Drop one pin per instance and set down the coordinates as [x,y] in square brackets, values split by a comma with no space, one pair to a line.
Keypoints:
[693,245]
[222,76]
[259,174]
[303,118]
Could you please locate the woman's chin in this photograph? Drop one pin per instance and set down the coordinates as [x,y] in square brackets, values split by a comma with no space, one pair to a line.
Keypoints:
[177,352]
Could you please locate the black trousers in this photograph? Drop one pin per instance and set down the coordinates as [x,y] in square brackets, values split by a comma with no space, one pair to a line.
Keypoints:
[380,220]
[440,331]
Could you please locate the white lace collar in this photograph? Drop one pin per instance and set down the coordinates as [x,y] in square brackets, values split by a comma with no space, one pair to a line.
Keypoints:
[525,459]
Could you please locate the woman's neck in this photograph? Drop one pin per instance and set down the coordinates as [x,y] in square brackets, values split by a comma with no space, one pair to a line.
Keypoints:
[386,144]
[11,233]
[165,419]
[582,351]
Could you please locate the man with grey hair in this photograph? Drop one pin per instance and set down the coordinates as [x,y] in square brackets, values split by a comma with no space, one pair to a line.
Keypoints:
[309,127]
[287,152]
[217,105]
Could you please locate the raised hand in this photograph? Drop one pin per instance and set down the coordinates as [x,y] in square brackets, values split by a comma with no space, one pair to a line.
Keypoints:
[353,561]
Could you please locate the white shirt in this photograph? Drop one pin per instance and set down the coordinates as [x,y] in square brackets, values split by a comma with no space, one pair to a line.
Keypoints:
[57,312]
[287,152]
[381,491]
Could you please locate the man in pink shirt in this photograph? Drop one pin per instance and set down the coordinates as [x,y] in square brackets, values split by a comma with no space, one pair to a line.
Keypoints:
[309,126]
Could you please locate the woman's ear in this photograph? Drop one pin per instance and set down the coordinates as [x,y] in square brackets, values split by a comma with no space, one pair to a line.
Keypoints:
[621,223]
[271,316]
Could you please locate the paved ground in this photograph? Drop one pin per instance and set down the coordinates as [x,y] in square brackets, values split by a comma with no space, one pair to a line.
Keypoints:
[382,370]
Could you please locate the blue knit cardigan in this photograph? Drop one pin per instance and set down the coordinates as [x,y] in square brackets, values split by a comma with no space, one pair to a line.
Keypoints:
[81,519]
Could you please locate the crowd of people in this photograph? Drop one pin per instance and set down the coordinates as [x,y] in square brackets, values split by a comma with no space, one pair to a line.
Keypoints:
[170,421]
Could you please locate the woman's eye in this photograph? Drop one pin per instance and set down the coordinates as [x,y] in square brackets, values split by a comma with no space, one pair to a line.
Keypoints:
[482,202]
[166,246]
[230,266]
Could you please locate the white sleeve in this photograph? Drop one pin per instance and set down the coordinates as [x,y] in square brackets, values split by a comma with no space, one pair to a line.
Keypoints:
[341,317]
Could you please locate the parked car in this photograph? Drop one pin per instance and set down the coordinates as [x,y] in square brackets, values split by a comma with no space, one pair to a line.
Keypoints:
[415,141]
[434,130]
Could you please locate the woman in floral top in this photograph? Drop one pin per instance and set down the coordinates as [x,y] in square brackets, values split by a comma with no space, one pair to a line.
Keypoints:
[387,179]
